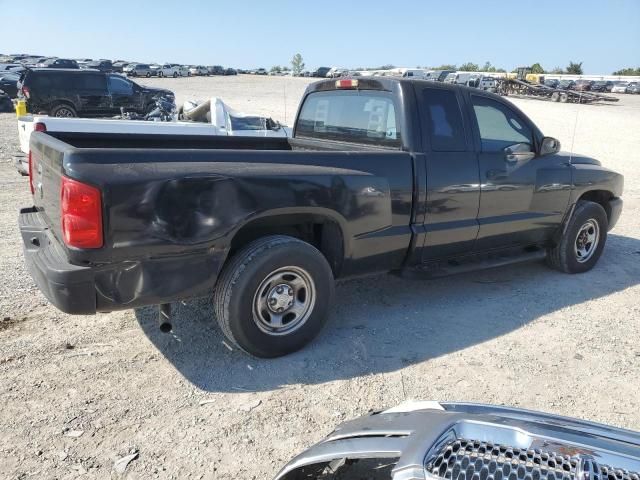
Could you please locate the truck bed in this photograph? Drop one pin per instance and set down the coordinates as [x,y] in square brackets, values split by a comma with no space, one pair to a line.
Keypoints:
[171,205]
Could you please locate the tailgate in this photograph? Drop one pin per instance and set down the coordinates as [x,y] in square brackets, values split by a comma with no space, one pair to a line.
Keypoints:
[25,127]
[47,155]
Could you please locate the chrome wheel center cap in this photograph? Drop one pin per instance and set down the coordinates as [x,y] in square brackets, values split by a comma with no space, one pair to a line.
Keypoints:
[280,298]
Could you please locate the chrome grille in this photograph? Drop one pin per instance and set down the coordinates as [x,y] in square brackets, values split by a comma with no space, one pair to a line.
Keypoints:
[475,460]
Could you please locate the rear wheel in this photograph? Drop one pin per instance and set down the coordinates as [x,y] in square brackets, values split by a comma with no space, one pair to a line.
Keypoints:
[175,74]
[63,110]
[274,296]
[148,74]
[582,242]
[160,74]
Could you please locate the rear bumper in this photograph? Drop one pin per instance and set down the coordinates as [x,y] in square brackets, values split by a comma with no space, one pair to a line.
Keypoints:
[69,287]
[85,290]
[615,209]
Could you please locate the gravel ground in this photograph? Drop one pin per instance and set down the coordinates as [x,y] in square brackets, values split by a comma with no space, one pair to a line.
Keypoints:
[79,393]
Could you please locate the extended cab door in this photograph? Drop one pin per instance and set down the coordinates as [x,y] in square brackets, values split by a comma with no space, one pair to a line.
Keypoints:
[523,195]
[453,187]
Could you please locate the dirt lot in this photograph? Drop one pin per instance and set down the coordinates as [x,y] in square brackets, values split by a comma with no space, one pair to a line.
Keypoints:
[78,393]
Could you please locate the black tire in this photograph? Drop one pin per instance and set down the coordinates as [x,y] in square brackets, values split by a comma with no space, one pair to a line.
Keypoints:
[565,256]
[148,75]
[249,272]
[63,110]
[160,74]
[175,74]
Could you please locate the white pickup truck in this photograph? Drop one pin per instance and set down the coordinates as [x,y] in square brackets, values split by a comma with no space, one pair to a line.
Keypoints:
[216,118]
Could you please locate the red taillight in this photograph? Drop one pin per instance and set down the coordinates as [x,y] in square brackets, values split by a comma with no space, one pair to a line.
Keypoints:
[26,92]
[81,217]
[347,83]
[39,127]
[33,190]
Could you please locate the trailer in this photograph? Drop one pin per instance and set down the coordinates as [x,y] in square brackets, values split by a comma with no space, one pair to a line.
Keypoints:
[524,86]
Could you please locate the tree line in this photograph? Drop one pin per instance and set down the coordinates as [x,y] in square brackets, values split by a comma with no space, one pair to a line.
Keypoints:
[574,68]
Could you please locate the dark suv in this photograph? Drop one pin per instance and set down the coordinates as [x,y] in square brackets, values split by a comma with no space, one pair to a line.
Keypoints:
[84,93]
[602,86]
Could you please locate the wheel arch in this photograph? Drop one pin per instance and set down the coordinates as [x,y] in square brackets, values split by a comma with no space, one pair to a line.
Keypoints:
[62,101]
[323,230]
[601,197]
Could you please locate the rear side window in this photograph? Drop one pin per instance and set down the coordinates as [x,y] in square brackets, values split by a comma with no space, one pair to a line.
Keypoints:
[444,117]
[365,117]
[45,81]
[89,82]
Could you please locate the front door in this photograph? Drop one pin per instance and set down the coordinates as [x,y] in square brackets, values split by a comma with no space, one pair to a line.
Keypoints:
[123,95]
[453,186]
[523,196]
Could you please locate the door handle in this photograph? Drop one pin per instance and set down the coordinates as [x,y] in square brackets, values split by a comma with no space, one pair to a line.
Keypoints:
[496,174]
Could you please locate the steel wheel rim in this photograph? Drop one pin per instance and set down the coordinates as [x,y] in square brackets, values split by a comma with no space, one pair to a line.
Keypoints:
[586,241]
[284,301]
[64,113]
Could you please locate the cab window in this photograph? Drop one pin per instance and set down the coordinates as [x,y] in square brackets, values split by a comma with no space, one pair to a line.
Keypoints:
[444,117]
[499,126]
[364,117]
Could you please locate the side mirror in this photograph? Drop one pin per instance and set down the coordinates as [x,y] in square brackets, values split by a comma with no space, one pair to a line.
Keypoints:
[549,145]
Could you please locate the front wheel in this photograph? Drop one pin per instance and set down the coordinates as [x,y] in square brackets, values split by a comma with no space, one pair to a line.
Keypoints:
[583,239]
[274,296]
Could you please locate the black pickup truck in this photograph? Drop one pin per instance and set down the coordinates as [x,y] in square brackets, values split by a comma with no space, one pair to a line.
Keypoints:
[381,175]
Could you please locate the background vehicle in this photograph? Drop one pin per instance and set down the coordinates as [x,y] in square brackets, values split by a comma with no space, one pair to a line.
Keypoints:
[442,74]
[463,441]
[58,63]
[601,86]
[9,83]
[220,119]
[583,85]
[84,93]
[100,65]
[320,72]
[138,70]
[199,70]
[6,105]
[216,70]
[9,66]
[231,71]
[551,82]
[633,87]
[620,87]
[166,70]
[566,85]
[119,65]
[414,73]
[261,71]
[362,187]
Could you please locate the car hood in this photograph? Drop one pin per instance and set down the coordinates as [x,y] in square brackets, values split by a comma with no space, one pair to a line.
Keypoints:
[158,91]
[579,159]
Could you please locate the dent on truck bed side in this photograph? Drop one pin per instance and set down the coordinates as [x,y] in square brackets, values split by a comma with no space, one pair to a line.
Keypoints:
[165,203]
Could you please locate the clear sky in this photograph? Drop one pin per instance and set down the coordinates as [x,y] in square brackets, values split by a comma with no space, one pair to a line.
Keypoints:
[603,34]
